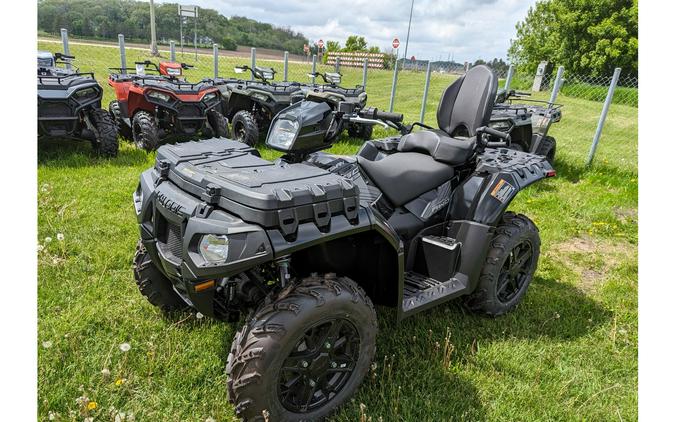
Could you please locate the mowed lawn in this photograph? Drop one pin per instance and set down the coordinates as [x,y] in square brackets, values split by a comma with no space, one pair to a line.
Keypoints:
[569,352]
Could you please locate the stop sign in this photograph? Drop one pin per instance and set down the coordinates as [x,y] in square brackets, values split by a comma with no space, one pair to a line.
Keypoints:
[320,44]
[395,43]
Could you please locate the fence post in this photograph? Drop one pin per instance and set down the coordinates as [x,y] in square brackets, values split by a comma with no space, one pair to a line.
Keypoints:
[172,50]
[426,91]
[123,53]
[252,61]
[285,66]
[337,64]
[64,40]
[313,68]
[393,87]
[603,115]
[215,60]
[365,72]
[557,84]
[509,76]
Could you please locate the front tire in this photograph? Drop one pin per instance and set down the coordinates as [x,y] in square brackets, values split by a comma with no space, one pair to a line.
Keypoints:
[509,266]
[106,143]
[218,124]
[153,285]
[304,353]
[122,128]
[145,131]
[362,131]
[244,128]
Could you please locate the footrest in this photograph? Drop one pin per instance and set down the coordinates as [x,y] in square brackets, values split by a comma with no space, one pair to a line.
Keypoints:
[421,292]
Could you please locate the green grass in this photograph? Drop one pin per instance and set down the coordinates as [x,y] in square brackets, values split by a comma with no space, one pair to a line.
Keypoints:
[569,352]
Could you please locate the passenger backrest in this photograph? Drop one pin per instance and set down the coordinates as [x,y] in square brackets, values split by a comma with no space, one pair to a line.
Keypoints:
[467,103]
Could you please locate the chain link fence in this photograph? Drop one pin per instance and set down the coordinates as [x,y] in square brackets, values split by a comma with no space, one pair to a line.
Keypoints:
[586,99]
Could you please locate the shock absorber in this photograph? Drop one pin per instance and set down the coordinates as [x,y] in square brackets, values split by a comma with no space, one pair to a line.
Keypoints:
[284,270]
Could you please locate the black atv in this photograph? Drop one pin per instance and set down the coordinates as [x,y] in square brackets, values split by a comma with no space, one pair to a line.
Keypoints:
[305,245]
[69,105]
[335,94]
[528,123]
[252,104]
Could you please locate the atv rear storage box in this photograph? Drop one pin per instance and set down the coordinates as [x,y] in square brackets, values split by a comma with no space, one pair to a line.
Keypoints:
[280,195]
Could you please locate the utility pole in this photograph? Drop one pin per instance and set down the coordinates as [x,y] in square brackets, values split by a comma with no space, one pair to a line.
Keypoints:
[405,52]
[153,32]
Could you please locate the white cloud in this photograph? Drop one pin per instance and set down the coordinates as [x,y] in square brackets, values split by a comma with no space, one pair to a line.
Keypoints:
[464,29]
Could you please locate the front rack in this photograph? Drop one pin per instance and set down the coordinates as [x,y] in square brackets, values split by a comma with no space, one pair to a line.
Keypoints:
[61,79]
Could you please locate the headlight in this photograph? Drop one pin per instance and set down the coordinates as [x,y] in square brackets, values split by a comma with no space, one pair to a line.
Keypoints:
[259,96]
[86,92]
[209,97]
[213,248]
[159,95]
[500,126]
[283,134]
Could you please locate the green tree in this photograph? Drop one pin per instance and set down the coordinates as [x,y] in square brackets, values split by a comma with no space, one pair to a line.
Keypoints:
[355,43]
[585,36]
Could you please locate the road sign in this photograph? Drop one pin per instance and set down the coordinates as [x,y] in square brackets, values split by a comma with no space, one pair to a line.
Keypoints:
[189,11]
[320,44]
[395,43]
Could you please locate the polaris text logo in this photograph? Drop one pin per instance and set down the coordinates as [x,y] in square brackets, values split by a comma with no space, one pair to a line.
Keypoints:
[169,204]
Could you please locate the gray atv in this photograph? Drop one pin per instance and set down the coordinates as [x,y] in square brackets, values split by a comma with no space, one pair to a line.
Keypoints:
[69,105]
[303,247]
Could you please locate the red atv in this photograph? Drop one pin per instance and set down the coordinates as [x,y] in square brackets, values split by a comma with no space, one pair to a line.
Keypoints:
[155,107]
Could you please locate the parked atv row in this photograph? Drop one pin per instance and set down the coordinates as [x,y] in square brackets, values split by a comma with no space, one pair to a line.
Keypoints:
[304,246]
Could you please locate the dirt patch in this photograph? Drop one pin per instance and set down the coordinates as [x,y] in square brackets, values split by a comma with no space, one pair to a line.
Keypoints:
[626,215]
[592,259]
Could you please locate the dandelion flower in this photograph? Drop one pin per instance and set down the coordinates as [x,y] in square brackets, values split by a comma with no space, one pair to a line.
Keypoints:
[52,416]
[60,237]
[105,372]
[120,381]
[199,315]
[91,405]
[125,347]
[47,344]
[48,239]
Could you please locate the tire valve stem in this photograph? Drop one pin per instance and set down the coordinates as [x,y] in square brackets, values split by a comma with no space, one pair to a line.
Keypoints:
[284,270]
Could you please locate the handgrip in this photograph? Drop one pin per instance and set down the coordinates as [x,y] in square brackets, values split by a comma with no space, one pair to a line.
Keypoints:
[392,117]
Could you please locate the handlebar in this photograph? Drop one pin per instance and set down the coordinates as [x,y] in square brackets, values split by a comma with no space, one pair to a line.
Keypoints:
[485,130]
[374,113]
[59,56]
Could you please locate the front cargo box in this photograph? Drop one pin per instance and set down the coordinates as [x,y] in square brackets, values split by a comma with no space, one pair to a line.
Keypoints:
[275,194]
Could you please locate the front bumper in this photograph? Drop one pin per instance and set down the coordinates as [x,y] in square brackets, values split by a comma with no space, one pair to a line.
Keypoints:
[172,224]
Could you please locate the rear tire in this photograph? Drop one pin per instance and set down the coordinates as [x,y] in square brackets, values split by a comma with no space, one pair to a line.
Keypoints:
[106,143]
[547,148]
[509,266]
[122,129]
[145,131]
[303,353]
[362,131]
[154,285]
[218,124]
[244,128]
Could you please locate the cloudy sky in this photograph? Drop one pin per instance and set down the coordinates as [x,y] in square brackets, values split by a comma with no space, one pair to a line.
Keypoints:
[463,29]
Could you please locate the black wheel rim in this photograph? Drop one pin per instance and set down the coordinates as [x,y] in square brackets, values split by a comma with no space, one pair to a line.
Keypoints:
[138,137]
[319,365]
[239,132]
[514,272]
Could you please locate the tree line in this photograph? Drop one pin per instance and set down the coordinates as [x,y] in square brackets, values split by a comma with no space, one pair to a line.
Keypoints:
[104,19]
[586,36]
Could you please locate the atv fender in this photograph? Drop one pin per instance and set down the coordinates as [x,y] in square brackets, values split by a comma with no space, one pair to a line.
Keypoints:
[502,173]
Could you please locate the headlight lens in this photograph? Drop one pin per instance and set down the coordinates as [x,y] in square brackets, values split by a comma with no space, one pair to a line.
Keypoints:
[283,133]
[209,97]
[86,92]
[159,95]
[214,248]
[259,96]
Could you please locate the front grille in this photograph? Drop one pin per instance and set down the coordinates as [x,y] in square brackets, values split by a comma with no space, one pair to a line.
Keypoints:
[174,240]
[191,111]
[53,109]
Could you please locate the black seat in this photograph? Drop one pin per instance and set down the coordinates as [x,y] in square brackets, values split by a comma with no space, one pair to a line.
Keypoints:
[426,157]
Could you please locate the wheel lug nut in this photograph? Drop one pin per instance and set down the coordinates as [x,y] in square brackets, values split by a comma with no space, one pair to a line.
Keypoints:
[304,364]
[327,345]
[312,383]
[333,365]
